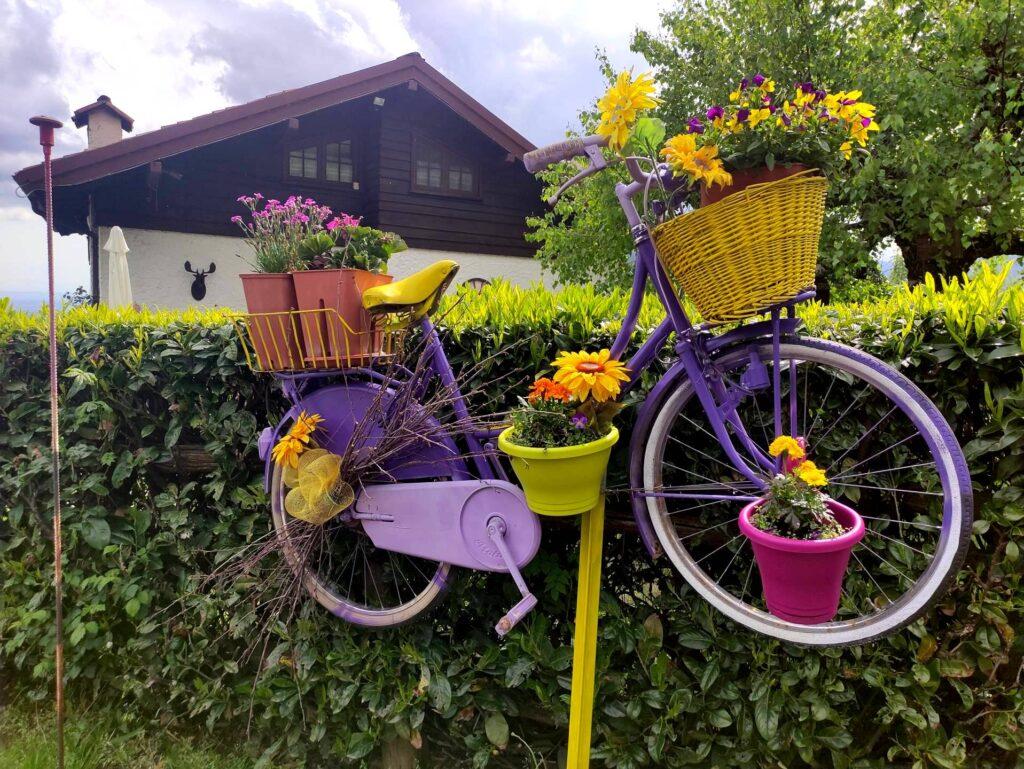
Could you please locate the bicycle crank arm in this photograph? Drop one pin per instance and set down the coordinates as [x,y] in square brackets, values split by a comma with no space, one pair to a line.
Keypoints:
[496,530]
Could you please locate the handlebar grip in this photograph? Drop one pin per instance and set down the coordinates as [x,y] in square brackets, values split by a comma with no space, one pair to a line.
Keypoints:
[542,157]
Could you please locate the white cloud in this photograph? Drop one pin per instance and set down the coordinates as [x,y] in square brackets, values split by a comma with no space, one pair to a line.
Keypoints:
[536,55]
[530,61]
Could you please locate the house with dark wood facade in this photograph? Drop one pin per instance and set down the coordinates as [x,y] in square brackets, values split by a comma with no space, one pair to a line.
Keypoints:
[397,144]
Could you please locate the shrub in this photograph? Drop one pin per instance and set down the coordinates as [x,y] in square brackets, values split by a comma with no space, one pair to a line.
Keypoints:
[678,684]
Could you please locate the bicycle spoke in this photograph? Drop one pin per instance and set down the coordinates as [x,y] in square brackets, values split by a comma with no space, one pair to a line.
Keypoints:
[900,522]
[731,560]
[889,488]
[871,576]
[866,473]
[898,542]
[726,544]
[824,402]
[860,440]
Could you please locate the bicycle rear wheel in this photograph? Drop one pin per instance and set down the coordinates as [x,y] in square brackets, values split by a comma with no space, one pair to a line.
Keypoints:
[886,449]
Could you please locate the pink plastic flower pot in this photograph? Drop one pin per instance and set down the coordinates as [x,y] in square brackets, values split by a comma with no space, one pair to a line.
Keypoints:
[803,579]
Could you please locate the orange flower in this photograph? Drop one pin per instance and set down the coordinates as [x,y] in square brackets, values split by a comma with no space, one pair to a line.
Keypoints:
[547,390]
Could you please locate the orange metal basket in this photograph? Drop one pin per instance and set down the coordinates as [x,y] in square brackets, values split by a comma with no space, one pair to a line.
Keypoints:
[309,340]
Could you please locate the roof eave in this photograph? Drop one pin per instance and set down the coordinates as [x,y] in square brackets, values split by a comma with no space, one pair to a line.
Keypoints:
[89,165]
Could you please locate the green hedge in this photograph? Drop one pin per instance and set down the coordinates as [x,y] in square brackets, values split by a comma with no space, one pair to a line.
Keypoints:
[678,685]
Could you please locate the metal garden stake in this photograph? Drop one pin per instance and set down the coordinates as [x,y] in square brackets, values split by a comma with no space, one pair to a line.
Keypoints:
[46,127]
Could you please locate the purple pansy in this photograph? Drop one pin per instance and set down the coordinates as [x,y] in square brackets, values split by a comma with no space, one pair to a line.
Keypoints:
[715,112]
[579,421]
[695,126]
[758,79]
[743,84]
[742,115]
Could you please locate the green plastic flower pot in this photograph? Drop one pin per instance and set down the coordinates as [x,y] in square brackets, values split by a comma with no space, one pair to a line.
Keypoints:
[561,481]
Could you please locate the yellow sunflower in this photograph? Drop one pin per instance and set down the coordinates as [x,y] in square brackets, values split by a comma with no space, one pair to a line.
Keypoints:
[620,104]
[701,165]
[677,152]
[287,450]
[590,374]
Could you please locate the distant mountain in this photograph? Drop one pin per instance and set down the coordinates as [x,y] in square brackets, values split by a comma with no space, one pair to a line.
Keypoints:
[29,301]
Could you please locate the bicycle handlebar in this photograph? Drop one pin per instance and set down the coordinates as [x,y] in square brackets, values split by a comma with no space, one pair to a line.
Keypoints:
[542,157]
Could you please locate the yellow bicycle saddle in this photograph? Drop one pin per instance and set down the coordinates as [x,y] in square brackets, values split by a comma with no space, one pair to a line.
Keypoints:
[413,297]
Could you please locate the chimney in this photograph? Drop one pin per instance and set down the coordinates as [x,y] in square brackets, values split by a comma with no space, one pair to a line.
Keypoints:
[105,122]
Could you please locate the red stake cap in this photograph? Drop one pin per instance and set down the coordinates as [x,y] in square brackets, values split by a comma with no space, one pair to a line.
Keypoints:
[46,127]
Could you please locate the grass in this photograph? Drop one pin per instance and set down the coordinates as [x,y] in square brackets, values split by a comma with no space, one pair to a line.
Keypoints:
[97,740]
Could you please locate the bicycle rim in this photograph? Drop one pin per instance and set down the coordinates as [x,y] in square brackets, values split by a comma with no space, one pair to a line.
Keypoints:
[353,579]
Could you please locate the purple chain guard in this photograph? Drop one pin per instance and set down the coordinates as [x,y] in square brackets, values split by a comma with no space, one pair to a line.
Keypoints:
[447,521]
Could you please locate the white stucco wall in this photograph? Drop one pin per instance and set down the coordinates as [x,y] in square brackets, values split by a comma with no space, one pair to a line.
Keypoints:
[156,262]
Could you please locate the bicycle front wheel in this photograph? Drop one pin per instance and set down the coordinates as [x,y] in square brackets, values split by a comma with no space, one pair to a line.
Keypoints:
[886,450]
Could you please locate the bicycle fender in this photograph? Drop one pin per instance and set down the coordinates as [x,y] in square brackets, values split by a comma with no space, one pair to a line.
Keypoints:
[344,408]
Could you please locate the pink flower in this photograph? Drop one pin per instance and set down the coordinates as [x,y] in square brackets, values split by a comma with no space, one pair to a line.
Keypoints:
[236,219]
[257,195]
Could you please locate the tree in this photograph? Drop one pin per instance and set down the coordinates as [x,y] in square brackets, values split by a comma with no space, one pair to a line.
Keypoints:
[946,176]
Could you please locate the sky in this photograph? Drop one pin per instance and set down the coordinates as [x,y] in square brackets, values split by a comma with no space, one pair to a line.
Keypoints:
[532,62]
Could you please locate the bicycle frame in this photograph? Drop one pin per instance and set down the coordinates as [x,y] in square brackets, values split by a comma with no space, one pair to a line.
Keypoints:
[694,349]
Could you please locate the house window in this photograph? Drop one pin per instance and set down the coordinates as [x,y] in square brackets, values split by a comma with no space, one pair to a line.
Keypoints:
[338,161]
[438,170]
[329,160]
[302,163]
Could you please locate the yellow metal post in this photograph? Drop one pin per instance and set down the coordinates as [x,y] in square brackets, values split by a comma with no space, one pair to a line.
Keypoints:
[584,655]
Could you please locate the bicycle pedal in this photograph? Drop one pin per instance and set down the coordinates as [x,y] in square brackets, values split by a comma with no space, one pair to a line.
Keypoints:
[515,614]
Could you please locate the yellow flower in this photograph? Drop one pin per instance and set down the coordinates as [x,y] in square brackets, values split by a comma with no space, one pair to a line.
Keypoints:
[677,149]
[787,444]
[304,426]
[768,86]
[859,131]
[809,473]
[590,374]
[704,165]
[847,149]
[287,450]
[758,115]
[620,104]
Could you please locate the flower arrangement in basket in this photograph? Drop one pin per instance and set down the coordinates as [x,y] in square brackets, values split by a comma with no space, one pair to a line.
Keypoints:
[757,249]
[801,538]
[311,261]
[562,434]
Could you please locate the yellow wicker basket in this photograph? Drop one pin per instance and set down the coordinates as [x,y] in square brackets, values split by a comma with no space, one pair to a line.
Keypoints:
[752,249]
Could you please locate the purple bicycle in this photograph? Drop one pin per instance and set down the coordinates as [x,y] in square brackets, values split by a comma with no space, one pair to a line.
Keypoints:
[698,453]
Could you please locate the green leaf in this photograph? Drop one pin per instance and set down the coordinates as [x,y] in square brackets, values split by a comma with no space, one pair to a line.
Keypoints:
[359,745]
[496,728]
[96,533]
[648,135]
[766,717]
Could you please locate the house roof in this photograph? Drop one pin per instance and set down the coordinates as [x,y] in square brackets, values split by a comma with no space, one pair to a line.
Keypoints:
[89,165]
[80,117]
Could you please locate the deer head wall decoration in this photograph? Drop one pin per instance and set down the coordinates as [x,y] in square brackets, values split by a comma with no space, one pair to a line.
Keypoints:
[199,281]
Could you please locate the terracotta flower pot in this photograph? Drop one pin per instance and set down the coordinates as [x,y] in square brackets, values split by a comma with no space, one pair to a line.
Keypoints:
[345,337]
[273,336]
[746,177]
[803,578]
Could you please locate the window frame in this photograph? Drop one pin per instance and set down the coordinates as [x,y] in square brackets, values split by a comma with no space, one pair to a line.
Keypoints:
[448,155]
[320,142]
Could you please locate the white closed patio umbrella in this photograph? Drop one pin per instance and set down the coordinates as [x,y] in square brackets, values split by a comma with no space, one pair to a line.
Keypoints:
[119,283]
